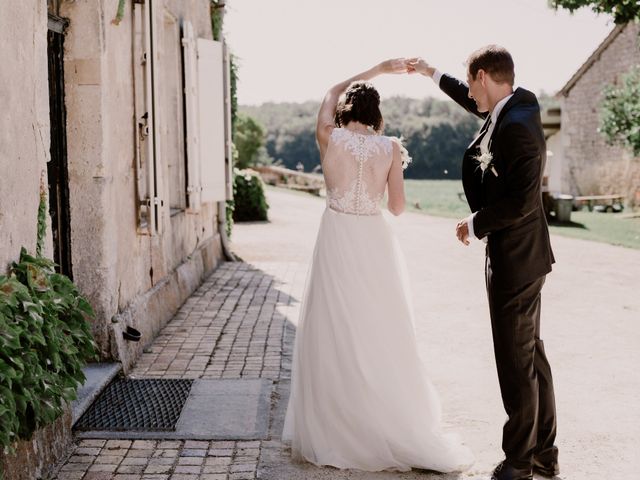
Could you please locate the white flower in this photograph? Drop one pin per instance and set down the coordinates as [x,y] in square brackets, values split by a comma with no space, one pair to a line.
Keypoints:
[485,160]
[404,153]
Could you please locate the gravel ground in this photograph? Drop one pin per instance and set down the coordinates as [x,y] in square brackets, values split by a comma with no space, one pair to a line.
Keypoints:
[590,325]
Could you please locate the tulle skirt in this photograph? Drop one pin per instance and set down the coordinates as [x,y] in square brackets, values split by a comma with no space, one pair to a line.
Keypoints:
[360,396]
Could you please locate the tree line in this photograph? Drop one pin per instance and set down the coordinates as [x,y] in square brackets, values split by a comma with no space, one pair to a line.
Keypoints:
[436,133]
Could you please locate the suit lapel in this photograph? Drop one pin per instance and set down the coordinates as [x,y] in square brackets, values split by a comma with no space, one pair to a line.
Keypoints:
[483,129]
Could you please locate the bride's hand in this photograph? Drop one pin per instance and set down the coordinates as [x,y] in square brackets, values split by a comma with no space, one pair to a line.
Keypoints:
[419,65]
[394,65]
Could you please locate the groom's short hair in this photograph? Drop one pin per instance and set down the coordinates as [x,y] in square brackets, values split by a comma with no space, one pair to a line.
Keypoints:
[494,60]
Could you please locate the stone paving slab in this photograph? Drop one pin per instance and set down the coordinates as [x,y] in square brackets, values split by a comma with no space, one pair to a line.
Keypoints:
[227,409]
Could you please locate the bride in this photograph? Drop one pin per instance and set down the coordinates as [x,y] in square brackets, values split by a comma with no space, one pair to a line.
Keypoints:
[360,397]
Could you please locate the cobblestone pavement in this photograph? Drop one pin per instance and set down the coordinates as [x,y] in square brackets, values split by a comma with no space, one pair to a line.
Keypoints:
[161,460]
[232,327]
[228,328]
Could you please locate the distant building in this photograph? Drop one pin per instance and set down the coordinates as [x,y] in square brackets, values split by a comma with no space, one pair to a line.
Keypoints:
[581,162]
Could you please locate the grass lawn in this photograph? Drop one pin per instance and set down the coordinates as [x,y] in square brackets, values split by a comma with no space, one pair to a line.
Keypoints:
[440,198]
[436,197]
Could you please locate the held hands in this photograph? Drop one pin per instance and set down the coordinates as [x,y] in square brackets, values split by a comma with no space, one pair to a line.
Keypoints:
[406,65]
[462,231]
[419,65]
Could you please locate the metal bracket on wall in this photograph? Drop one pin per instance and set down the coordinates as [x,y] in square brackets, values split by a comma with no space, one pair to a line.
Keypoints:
[57,24]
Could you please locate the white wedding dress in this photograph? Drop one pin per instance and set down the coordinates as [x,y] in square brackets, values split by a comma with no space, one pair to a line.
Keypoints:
[360,397]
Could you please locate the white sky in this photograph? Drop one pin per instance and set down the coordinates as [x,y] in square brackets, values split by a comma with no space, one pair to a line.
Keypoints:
[294,50]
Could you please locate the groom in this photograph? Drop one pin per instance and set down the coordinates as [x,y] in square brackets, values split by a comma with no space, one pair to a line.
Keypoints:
[502,175]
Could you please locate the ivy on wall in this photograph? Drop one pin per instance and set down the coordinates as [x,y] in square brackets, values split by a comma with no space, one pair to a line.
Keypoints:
[217,15]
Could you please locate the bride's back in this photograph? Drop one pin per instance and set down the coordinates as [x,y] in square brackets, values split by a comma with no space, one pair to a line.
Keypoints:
[356,167]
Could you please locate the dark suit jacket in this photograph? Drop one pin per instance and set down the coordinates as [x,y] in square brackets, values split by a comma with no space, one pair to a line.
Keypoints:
[509,207]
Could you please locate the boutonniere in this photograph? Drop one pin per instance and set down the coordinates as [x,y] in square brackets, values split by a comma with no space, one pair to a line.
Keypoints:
[485,161]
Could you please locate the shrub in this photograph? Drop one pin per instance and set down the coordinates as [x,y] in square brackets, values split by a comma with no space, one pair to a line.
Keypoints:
[45,341]
[248,196]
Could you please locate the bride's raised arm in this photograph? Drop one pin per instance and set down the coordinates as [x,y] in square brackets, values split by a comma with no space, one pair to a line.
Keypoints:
[326,123]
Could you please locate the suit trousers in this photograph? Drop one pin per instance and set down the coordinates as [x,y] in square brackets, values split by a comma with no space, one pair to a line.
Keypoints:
[524,374]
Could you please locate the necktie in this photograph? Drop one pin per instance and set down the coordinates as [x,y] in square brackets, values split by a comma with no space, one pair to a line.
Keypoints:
[482,132]
[484,141]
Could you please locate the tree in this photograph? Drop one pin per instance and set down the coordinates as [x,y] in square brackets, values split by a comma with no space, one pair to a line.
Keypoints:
[620,116]
[623,11]
[249,139]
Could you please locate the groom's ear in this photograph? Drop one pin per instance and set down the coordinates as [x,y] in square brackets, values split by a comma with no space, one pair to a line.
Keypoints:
[482,76]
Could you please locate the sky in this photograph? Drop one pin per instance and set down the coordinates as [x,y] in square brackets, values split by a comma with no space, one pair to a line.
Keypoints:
[295,50]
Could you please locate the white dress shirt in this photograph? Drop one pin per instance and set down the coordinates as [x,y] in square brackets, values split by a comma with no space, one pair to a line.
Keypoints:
[484,143]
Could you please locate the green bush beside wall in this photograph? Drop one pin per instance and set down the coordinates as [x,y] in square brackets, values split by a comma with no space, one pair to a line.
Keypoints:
[249,201]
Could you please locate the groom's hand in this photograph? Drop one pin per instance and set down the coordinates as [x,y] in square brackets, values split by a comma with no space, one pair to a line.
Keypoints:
[419,65]
[462,231]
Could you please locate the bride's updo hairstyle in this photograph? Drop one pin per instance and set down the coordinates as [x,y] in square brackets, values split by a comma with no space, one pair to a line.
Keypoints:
[361,103]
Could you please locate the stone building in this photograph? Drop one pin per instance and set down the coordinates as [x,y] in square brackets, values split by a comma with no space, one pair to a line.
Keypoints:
[122,108]
[582,162]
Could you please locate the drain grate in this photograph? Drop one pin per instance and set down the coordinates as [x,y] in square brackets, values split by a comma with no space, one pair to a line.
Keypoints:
[146,405]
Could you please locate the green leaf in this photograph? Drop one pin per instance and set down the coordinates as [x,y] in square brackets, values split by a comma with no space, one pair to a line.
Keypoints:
[44,343]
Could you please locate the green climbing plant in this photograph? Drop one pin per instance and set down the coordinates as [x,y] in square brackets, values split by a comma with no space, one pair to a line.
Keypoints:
[217,14]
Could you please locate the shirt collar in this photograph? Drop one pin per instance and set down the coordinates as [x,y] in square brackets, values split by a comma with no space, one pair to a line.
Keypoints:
[498,108]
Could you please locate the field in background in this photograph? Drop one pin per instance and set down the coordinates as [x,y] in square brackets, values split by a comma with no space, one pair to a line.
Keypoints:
[436,197]
[440,197]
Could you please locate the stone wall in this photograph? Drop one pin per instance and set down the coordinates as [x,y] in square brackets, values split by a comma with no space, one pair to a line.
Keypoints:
[35,458]
[24,152]
[24,124]
[116,266]
[591,166]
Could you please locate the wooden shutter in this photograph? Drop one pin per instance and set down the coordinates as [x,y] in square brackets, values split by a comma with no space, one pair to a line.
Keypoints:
[190,58]
[211,95]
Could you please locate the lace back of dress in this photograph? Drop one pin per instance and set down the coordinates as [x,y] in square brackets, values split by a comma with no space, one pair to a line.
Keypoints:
[355,168]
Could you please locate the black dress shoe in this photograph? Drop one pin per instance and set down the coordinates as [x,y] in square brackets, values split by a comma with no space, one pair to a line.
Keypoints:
[504,471]
[546,463]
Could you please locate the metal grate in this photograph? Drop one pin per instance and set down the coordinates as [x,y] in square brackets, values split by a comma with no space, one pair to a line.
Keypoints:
[146,405]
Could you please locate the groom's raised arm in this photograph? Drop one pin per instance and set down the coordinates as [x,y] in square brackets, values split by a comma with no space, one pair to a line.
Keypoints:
[458,91]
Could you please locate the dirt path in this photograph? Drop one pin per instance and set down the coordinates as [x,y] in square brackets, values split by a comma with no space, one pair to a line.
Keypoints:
[590,324]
